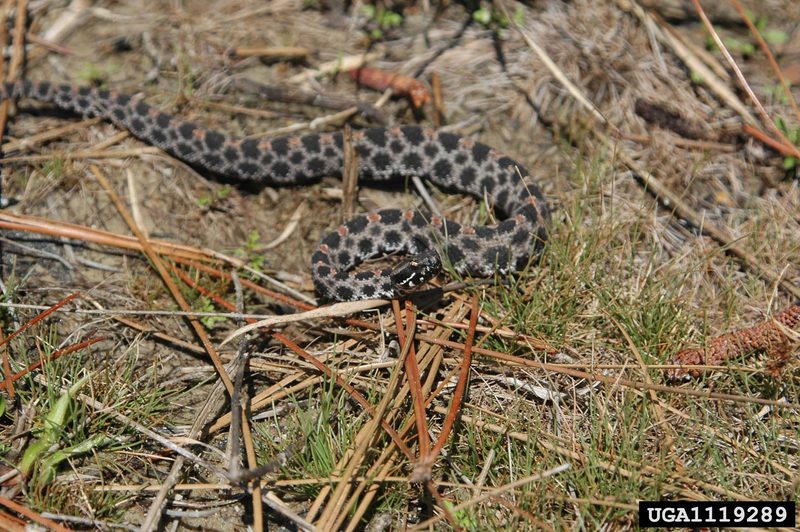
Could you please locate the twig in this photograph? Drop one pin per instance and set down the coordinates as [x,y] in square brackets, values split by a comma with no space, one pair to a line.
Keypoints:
[4,106]
[34,224]
[349,174]
[49,134]
[20,23]
[345,63]
[285,53]
[681,142]
[86,154]
[759,135]
[75,14]
[439,114]
[238,365]
[49,46]
[303,97]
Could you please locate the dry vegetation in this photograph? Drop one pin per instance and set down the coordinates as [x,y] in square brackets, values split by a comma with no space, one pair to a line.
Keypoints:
[673,223]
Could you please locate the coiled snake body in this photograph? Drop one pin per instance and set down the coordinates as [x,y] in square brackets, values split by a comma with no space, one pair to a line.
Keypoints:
[454,163]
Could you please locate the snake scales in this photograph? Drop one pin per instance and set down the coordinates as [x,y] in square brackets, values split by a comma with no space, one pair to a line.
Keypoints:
[454,163]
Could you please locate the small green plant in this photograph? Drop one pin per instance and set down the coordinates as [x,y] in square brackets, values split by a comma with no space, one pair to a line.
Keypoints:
[771,35]
[219,194]
[793,134]
[94,75]
[747,47]
[250,250]
[53,167]
[383,19]
[253,239]
[776,91]
[204,304]
[39,459]
[224,191]
[494,19]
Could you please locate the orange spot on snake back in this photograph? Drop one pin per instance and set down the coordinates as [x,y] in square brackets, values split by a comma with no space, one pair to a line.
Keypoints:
[342,230]
[373,217]
[467,143]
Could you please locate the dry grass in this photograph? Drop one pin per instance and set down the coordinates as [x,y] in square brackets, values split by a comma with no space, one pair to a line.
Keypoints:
[660,241]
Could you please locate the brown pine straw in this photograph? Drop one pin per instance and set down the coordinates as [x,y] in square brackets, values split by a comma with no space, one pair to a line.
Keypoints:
[776,337]
[54,356]
[158,264]
[8,382]
[461,385]
[271,293]
[765,118]
[35,224]
[412,374]
[770,57]
[355,394]
[154,511]
[33,516]
[333,516]
[325,370]
[769,141]
[39,318]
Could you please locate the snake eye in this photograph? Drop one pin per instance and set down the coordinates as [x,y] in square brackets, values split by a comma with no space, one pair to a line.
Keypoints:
[416,271]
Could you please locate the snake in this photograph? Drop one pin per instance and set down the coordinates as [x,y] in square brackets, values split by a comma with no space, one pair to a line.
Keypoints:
[453,163]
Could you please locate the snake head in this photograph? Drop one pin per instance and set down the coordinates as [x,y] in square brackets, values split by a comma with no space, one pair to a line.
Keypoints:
[417,270]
